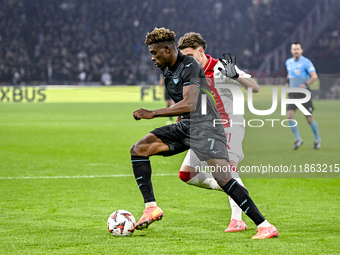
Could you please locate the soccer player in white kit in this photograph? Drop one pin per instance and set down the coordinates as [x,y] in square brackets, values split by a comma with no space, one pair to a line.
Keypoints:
[234,125]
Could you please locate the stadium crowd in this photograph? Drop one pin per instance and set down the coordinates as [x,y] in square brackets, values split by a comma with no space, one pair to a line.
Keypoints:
[76,41]
[326,50]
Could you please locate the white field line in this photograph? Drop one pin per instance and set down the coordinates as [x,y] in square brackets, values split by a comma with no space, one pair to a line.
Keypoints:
[98,164]
[77,176]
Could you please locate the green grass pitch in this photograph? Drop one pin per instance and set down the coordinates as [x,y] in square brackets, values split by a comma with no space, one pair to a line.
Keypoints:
[65,167]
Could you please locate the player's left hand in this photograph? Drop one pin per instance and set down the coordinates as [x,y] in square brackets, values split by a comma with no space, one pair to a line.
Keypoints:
[143,114]
[303,86]
[229,63]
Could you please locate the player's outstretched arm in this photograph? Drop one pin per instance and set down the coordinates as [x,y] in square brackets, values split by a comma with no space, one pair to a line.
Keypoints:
[188,104]
[249,83]
[230,70]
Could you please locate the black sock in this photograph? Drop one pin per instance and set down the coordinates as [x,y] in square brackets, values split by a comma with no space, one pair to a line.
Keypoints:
[243,200]
[142,170]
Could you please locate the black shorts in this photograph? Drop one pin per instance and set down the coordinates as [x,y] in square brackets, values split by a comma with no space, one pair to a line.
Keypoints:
[206,143]
[308,105]
[166,95]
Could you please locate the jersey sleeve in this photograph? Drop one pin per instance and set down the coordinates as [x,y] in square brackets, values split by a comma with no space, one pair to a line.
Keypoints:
[192,74]
[242,73]
[310,67]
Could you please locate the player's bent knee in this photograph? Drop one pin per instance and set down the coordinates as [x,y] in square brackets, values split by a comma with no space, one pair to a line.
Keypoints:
[136,150]
[222,182]
[290,114]
[132,150]
[309,119]
[222,178]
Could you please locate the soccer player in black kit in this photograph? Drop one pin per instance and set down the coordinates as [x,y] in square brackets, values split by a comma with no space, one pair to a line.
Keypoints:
[184,80]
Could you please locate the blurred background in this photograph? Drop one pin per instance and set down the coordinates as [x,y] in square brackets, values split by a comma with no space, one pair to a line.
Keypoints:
[102,42]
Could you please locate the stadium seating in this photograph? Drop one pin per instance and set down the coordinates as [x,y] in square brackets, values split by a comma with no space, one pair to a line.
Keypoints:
[72,42]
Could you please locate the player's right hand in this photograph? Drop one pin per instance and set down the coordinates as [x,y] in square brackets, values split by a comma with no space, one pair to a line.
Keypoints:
[143,114]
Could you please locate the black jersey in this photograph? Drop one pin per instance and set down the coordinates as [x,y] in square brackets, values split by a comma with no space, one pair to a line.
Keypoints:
[184,72]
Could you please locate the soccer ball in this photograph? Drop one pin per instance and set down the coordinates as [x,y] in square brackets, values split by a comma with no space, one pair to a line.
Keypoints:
[121,223]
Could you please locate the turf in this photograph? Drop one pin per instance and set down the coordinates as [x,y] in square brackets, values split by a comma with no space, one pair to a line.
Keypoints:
[53,200]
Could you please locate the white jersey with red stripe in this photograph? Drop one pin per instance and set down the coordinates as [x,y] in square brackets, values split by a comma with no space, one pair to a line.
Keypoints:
[222,95]
[224,103]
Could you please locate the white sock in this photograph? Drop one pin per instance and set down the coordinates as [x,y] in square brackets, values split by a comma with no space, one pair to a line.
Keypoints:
[150,204]
[264,224]
[204,180]
[236,211]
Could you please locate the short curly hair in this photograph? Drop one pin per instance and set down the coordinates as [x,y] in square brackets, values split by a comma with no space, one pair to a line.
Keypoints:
[160,35]
[192,40]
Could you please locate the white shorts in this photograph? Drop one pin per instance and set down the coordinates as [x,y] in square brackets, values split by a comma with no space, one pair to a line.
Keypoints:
[234,145]
[235,138]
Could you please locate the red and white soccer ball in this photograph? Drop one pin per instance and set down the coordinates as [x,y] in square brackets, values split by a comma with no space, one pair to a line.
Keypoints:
[121,223]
